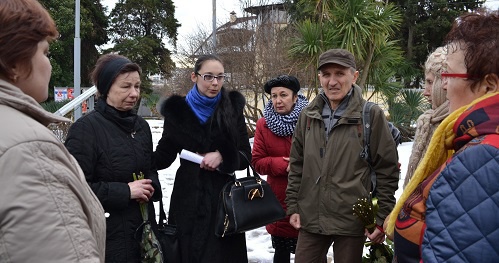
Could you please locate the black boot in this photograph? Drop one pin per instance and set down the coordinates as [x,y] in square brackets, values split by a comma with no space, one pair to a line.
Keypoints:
[281,256]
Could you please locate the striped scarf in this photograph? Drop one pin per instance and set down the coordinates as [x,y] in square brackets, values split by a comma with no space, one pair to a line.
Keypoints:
[284,125]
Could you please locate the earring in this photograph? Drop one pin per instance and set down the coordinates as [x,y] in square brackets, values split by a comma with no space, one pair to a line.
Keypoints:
[15,78]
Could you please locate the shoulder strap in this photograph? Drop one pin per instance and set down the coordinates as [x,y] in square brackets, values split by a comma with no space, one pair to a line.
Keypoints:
[366,151]
[162,214]
[366,124]
[366,154]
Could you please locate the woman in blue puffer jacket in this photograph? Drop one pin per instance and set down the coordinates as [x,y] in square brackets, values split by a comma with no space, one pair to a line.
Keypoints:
[449,210]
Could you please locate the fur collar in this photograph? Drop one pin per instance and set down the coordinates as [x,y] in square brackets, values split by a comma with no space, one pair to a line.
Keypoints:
[182,123]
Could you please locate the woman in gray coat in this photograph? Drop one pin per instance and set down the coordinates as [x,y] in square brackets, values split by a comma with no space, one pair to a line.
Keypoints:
[48,212]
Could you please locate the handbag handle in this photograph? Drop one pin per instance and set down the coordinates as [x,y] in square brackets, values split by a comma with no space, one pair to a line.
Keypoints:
[162,214]
[250,166]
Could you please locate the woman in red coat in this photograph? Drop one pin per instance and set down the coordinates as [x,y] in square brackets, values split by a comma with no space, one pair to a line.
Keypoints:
[271,149]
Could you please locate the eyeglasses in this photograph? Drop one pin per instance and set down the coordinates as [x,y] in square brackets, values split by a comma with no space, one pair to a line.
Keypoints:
[454,75]
[209,77]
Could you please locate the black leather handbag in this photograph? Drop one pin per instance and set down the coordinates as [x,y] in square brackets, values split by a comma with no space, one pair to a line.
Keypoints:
[245,204]
[167,237]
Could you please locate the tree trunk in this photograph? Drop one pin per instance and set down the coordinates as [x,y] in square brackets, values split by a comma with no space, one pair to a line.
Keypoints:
[410,46]
[367,65]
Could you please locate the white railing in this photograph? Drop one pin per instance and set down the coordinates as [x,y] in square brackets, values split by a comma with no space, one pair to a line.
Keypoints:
[76,102]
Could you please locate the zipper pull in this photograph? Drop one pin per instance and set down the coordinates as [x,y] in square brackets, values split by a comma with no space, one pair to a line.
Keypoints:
[132,134]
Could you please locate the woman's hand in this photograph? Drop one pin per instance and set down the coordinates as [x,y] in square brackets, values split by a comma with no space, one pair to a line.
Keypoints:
[211,161]
[141,190]
[287,160]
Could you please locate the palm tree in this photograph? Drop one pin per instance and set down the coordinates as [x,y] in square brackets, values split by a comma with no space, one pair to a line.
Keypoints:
[363,27]
[366,28]
[405,107]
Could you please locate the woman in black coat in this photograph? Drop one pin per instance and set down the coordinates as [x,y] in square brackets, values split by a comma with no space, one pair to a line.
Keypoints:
[210,122]
[110,144]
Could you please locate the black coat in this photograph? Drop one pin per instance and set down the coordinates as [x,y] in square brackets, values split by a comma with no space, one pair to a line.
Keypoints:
[110,146]
[196,191]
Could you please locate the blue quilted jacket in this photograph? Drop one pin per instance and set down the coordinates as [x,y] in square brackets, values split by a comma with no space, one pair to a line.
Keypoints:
[462,213]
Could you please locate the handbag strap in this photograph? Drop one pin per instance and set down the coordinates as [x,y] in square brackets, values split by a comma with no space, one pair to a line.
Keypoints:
[162,214]
[250,166]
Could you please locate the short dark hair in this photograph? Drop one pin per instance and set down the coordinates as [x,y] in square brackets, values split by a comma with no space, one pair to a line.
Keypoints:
[24,23]
[478,35]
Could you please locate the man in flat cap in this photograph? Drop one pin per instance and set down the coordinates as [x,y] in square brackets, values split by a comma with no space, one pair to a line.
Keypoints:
[327,175]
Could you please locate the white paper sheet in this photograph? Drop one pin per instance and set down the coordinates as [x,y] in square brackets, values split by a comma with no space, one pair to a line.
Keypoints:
[190,156]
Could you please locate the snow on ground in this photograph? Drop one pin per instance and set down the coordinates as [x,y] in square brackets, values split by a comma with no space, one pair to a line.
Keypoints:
[258,241]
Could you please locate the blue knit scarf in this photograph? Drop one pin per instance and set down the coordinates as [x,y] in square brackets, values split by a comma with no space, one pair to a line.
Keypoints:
[284,125]
[201,105]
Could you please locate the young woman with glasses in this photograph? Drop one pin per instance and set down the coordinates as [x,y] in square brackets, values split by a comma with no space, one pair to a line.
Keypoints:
[208,121]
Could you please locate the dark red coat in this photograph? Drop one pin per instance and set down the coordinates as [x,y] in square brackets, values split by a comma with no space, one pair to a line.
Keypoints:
[268,152]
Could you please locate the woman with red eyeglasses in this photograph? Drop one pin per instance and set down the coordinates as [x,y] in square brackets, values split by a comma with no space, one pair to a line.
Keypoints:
[449,210]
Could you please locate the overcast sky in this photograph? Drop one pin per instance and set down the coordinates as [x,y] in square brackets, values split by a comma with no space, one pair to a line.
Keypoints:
[193,14]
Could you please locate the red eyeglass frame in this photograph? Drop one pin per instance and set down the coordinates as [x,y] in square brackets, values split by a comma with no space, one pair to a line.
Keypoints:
[454,75]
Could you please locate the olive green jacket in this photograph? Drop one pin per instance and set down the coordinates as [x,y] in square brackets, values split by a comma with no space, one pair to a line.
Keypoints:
[327,175]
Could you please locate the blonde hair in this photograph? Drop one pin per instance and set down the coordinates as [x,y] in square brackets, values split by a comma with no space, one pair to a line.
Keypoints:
[439,150]
[435,63]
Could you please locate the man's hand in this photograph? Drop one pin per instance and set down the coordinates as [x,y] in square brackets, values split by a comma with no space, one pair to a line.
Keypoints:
[377,236]
[287,160]
[294,220]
